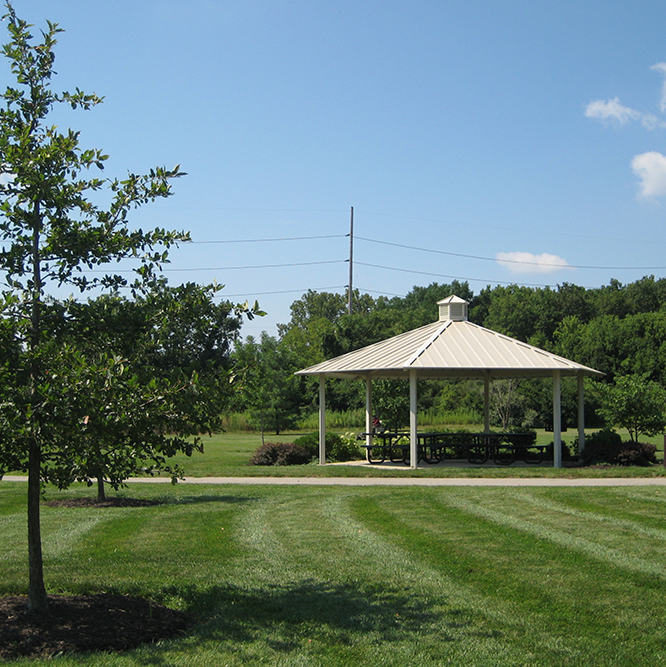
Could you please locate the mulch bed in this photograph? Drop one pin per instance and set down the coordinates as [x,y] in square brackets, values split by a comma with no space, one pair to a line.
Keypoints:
[82,623]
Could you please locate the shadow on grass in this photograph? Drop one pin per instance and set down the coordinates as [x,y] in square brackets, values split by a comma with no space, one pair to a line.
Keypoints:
[284,616]
[124,502]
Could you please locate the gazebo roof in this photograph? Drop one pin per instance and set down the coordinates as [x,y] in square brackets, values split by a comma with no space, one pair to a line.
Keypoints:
[452,347]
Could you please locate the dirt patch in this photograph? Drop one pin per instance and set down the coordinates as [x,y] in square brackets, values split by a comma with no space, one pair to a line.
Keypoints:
[109,502]
[83,623]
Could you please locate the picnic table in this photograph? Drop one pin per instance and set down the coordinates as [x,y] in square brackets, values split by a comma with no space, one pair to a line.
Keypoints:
[477,448]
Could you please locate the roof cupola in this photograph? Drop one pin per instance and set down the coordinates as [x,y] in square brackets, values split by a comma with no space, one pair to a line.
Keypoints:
[453,308]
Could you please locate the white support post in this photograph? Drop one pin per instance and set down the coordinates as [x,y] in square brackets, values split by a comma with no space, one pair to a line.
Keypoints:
[557,420]
[368,410]
[413,430]
[486,403]
[322,419]
[581,415]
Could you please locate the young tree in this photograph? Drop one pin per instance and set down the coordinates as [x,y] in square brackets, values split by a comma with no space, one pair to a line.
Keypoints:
[143,378]
[268,385]
[634,403]
[51,232]
[390,402]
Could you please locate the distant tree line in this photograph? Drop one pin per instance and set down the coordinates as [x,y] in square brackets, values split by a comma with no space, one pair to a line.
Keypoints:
[617,329]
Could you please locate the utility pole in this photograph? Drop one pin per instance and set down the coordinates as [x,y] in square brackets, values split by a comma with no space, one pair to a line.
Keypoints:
[351,262]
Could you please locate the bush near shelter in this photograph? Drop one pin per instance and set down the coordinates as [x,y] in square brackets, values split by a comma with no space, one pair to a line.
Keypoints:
[280,454]
[568,451]
[338,448]
[636,454]
[601,446]
[606,446]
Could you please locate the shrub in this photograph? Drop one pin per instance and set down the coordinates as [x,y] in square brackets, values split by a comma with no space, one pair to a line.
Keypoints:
[601,447]
[347,449]
[606,446]
[567,453]
[636,454]
[310,443]
[337,447]
[280,454]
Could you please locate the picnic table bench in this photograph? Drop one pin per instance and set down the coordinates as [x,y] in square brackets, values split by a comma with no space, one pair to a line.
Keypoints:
[477,448]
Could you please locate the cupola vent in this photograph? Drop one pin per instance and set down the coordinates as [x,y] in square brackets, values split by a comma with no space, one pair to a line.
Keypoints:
[453,308]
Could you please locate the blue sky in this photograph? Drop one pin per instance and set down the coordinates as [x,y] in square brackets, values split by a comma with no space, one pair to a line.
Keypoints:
[523,140]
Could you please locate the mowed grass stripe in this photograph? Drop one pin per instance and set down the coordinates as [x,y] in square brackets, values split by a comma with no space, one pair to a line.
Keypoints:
[187,539]
[268,557]
[355,576]
[595,515]
[642,493]
[61,533]
[14,530]
[554,588]
[460,552]
[637,529]
[546,528]
[432,577]
[439,609]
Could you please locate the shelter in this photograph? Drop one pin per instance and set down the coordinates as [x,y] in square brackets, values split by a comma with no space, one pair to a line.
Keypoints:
[452,347]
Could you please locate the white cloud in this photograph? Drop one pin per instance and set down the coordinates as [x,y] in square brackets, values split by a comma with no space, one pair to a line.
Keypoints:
[651,122]
[526,262]
[661,67]
[651,169]
[611,110]
[614,111]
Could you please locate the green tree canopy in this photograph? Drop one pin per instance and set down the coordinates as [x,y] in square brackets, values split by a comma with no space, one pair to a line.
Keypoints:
[52,231]
[634,403]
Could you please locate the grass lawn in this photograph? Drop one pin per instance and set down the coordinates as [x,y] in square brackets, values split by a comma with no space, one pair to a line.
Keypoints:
[228,454]
[368,576]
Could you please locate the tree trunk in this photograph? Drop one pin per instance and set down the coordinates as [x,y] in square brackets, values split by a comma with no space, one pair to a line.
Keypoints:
[101,495]
[37,600]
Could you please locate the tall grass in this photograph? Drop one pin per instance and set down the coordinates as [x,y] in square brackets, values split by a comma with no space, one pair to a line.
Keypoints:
[450,418]
[238,422]
[350,419]
[355,419]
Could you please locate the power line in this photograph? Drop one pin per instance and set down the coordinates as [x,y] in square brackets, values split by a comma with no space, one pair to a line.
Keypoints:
[511,261]
[286,291]
[440,275]
[419,249]
[261,266]
[374,291]
[227,268]
[289,238]
[485,226]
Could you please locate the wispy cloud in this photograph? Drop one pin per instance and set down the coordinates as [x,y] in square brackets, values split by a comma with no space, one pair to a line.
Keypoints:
[526,262]
[651,169]
[611,110]
[661,67]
